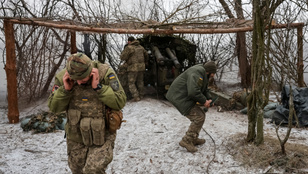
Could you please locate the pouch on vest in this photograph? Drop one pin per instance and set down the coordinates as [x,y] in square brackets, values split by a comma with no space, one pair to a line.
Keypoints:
[85,128]
[114,120]
[72,126]
[98,133]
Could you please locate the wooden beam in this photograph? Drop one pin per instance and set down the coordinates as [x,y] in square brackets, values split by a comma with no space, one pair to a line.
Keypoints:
[300,59]
[10,68]
[172,30]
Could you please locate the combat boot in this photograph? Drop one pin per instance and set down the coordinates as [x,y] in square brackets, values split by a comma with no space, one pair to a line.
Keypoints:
[199,141]
[188,145]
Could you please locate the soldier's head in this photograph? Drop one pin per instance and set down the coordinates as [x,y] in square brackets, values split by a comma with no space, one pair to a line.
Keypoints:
[210,68]
[79,67]
[130,39]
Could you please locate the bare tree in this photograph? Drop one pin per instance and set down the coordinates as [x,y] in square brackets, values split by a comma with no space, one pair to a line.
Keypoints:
[261,71]
[50,54]
[284,46]
[241,49]
[39,51]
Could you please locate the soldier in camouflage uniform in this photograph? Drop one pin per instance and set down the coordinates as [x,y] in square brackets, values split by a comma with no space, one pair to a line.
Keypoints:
[84,90]
[136,57]
[185,91]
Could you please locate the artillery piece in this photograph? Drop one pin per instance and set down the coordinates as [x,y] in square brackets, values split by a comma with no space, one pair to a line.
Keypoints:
[168,57]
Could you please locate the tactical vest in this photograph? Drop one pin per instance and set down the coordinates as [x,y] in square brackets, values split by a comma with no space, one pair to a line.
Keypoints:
[86,117]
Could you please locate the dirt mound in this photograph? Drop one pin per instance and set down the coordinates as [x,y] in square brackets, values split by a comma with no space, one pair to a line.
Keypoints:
[268,156]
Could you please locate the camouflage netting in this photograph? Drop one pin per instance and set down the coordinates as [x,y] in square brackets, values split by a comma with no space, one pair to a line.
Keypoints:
[43,122]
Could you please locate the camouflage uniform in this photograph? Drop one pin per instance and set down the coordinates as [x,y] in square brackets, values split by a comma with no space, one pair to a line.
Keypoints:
[135,56]
[123,78]
[185,91]
[89,144]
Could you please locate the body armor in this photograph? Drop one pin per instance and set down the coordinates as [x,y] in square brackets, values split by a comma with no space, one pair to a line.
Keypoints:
[86,117]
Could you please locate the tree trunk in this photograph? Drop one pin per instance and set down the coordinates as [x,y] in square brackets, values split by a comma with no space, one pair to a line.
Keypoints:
[260,135]
[251,117]
[102,47]
[73,42]
[87,46]
[300,62]
[254,102]
[244,65]
[10,69]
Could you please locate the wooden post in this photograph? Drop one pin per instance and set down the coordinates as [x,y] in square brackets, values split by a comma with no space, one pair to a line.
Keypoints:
[73,42]
[10,69]
[300,61]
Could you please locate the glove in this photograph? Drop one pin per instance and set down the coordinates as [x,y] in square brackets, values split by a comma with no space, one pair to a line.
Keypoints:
[114,120]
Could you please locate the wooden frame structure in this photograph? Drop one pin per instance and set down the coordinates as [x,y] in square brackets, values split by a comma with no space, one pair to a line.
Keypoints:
[10,67]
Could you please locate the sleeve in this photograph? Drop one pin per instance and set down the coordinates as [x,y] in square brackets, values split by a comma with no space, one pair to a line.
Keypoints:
[194,85]
[126,53]
[112,93]
[208,94]
[59,98]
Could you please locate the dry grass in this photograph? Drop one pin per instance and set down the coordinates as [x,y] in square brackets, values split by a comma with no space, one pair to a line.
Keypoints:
[268,155]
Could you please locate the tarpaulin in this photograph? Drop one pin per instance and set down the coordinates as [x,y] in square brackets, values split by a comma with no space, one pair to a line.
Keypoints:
[281,114]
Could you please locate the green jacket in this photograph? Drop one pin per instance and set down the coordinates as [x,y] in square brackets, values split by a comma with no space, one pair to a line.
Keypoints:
[189,88]
[135,56]
[59,99]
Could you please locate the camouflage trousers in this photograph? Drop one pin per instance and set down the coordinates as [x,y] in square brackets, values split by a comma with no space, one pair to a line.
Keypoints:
[89,160]
[197,118]
[133,79]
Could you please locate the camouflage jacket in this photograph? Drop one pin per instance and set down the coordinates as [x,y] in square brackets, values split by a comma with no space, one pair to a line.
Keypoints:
[189,88]
[111,94]
[135,56]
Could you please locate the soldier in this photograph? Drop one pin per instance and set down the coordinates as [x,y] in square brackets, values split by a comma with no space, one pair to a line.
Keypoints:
[136,57]
[84,90]
[185,91]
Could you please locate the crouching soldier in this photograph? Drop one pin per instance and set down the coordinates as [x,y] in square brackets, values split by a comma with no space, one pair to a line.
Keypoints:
[87,90]
[185,91]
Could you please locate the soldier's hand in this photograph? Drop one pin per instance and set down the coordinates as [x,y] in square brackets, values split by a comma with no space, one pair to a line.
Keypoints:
[95,77]
[207,103]
[68,82]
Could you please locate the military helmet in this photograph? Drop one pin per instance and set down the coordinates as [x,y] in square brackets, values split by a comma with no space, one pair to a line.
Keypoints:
[79,66]
[131,38]
[210,67]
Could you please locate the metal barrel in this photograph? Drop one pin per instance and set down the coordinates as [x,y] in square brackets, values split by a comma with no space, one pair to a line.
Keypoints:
[173,58]
[158,55]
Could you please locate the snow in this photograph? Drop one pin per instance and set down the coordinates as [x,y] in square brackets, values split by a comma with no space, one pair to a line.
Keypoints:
[146,143]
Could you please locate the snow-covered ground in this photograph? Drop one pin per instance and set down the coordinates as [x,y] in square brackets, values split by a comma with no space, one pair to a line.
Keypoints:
[146,143]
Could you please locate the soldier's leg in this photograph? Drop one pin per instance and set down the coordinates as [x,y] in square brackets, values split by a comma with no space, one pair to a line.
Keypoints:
[77,154]
[98,159]
[197,117]
[131,84]
[140,84]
